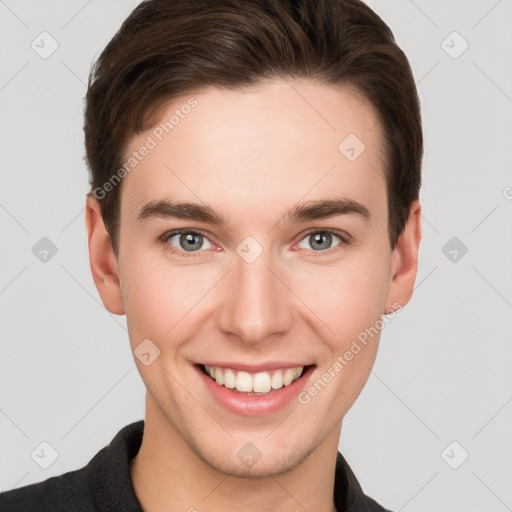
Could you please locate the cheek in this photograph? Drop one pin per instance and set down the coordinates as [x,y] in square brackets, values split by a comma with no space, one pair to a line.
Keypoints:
[159,299]
[348,298]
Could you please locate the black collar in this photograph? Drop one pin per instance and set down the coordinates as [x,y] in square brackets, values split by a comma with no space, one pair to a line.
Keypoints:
[110,479]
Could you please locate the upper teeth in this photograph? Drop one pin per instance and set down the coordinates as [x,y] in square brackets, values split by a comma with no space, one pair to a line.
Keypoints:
[261,382]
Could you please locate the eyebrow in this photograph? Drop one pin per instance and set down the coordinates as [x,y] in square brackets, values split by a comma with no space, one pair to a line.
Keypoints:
[311,210]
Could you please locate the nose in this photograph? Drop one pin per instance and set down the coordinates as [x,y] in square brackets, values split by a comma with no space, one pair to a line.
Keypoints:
[256,302]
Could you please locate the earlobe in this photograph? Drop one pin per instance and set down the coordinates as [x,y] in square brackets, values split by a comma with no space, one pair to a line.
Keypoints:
[404,264]
[104,265]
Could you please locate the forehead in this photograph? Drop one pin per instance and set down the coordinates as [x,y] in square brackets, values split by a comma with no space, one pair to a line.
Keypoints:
[267,145]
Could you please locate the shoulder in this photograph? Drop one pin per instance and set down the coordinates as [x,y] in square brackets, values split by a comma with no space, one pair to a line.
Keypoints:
[373,506]
[103,484]
[69,491]
[348,493]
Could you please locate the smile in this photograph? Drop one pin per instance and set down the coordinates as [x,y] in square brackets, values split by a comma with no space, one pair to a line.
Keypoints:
[259,383]
[254,390]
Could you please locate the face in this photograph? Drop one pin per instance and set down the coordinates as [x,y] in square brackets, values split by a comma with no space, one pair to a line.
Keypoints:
[280,259]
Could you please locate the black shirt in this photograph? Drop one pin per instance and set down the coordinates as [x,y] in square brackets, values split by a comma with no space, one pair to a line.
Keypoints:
[105,484]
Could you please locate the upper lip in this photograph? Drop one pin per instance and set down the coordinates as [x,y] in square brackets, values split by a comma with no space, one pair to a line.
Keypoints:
[255,368]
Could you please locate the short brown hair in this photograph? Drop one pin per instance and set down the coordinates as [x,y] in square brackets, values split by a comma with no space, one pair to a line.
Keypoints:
[167,48]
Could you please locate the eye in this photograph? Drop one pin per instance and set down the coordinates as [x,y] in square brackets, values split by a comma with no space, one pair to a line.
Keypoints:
[321,240]
[189,241]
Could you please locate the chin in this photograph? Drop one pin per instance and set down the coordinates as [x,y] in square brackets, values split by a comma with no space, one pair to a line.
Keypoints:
[250,462]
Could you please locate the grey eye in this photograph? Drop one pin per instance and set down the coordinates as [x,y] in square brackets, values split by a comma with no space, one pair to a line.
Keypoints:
[189,241]
[319,241]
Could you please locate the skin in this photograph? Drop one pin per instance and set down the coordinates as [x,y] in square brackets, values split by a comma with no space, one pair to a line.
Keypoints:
[252,155]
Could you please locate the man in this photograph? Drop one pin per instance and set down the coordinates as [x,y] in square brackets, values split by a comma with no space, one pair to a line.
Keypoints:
[255,174]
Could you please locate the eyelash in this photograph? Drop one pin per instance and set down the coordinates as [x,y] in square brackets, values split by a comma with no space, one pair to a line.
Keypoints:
[344,237]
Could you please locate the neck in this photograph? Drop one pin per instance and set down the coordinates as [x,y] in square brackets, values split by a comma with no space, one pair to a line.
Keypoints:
[168,474]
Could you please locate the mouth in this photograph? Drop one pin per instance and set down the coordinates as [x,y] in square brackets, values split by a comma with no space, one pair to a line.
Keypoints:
[255,383]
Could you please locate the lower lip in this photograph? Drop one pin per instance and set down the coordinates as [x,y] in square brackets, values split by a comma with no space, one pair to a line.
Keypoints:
[254,405]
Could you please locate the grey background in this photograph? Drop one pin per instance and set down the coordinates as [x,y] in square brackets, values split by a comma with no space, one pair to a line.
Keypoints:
[444,368]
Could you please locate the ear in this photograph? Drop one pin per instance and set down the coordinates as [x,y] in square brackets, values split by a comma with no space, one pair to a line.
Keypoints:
[404,262]
[104,265]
